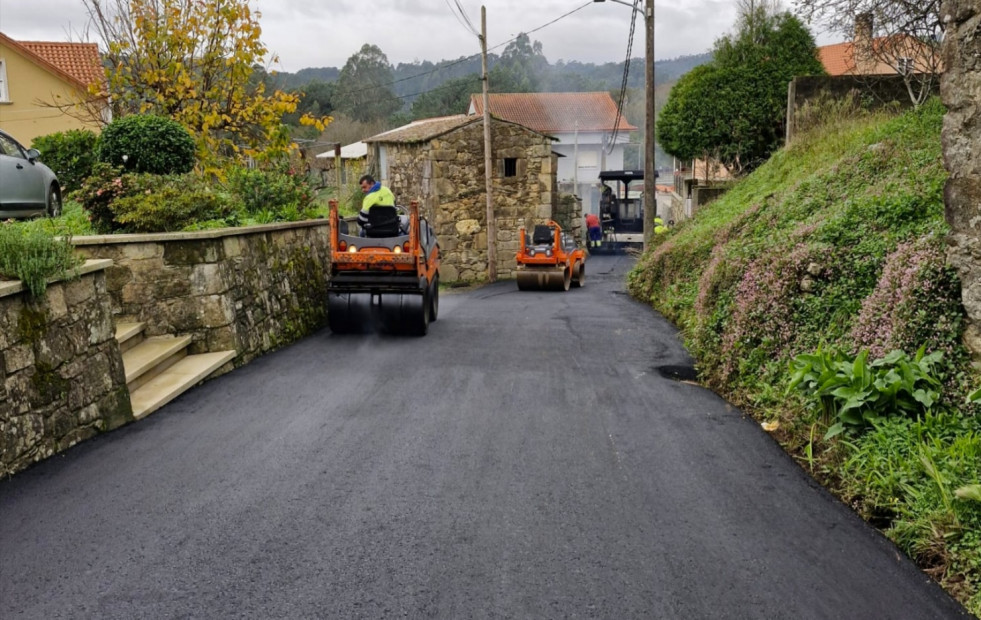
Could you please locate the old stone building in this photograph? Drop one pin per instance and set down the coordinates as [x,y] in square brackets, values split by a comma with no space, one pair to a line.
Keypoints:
[959,88]
[440,163]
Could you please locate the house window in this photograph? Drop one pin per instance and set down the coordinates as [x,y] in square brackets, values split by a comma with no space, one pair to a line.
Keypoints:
[4,93]
[510,166]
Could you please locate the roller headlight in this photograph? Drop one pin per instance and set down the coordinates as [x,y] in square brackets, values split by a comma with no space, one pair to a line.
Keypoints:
[531,252]
[353,249]
[548,253]
[397,249]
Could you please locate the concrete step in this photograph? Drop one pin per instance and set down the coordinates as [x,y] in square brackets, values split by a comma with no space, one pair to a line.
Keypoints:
[128,335]
[175,380]
[151,356]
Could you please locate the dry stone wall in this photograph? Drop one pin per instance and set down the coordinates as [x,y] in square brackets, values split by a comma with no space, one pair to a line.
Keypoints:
[247,289]
[960,90]
[63,378]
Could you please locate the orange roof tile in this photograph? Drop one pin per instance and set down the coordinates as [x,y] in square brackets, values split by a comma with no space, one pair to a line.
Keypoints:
[839,58]
[76,62]
[555,112]
[79,60]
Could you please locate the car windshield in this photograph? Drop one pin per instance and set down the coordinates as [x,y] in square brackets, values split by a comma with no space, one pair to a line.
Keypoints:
[11,148]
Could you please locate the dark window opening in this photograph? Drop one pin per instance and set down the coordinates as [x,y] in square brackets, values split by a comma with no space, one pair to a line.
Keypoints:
[510,166]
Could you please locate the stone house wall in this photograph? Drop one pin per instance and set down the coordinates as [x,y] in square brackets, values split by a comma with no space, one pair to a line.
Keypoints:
[62,371]
[446,176]
[960,89]
[250,289]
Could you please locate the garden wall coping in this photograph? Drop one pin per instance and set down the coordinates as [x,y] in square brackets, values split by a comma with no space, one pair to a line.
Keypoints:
[15,286]
[196,235]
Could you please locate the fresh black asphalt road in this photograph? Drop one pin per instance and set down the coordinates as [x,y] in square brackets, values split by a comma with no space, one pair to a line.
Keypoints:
[526,459]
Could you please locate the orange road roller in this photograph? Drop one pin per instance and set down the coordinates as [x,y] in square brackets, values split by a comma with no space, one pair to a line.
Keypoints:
[384,275]
[549,259]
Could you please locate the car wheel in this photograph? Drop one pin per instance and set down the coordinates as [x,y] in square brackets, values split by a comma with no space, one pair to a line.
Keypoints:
[54,200]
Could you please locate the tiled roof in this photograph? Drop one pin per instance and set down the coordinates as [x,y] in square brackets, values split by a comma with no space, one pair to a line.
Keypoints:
[554,112]
[839,59]
[79,60]
[424,129]
[79,63]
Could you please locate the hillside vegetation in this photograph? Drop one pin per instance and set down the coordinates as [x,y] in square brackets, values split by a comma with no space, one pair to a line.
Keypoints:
[815,296]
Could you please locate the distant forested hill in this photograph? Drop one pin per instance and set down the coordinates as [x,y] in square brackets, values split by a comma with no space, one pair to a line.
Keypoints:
[410,79]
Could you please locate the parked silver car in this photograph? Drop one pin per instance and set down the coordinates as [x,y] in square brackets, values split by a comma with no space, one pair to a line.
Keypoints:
[27,187]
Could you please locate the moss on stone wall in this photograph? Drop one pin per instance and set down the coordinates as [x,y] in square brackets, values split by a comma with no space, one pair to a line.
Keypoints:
[48,384]
[32,324]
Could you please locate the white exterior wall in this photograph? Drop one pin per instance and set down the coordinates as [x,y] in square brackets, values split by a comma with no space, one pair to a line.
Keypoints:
[592,158]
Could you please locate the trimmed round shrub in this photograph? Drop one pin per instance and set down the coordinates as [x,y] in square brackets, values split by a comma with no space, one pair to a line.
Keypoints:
[147,143]
[70,154]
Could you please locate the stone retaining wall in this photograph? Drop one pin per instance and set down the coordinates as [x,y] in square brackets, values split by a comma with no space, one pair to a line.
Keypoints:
[960,89]
[875,91]
[63,378]
[250,289]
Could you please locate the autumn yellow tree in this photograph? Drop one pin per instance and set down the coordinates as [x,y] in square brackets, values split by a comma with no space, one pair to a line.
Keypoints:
[194,61]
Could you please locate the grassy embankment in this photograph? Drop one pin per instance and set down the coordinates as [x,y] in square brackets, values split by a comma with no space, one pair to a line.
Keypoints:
[834,247]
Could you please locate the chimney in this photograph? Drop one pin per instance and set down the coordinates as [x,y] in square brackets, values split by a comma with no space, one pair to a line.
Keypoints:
[863,41]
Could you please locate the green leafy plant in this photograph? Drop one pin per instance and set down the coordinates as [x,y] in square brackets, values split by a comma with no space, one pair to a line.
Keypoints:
[273,189]
[34,256]
[147,143]
[173,204]
[853,392]
[104,185]
[146,203]
[71,154]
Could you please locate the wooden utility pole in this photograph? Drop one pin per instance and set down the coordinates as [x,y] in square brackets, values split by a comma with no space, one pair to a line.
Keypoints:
[650,170]
[488,170]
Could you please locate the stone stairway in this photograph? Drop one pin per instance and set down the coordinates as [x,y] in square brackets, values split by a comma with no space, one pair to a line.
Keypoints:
[159,369]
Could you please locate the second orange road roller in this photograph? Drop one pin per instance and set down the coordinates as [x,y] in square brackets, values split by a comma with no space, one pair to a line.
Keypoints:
[549,259]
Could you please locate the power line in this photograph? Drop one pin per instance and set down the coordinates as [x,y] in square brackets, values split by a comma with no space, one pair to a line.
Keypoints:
[461,16]
[466,18]
[623,84]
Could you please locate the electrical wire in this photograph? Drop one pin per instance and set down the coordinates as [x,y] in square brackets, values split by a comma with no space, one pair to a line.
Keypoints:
[623,84]
[461,16]
[466,18]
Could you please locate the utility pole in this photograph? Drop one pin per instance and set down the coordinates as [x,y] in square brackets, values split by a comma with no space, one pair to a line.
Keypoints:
[488,171]
[650,170]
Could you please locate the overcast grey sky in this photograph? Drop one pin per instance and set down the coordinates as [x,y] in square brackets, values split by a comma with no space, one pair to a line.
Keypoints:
[325,33]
